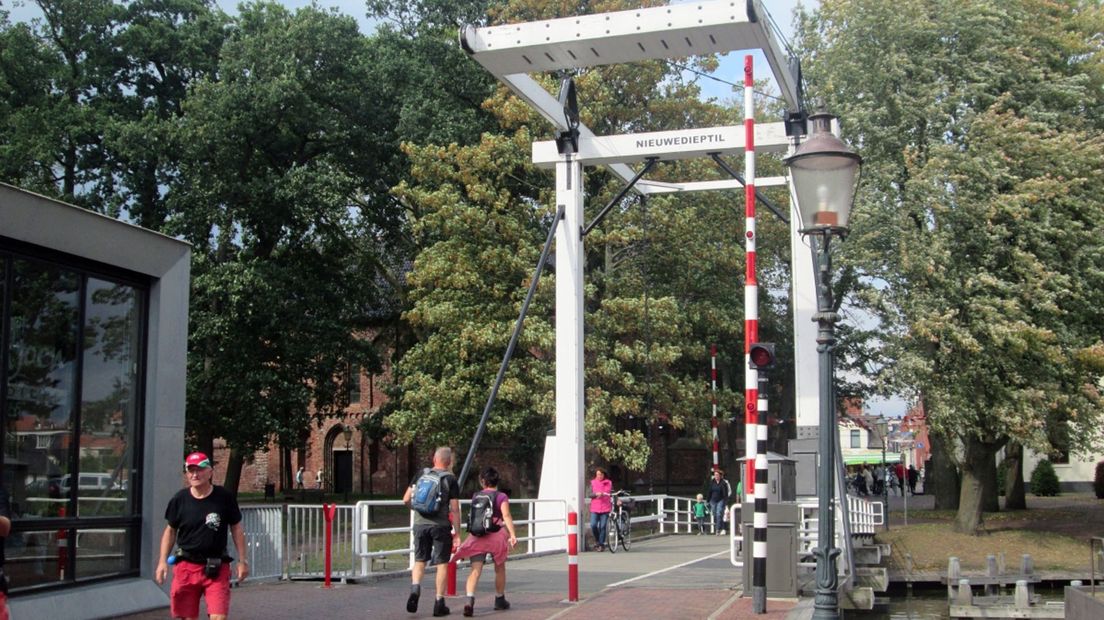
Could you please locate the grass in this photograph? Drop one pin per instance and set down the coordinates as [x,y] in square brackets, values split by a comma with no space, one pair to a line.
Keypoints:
[1054,531]
[932,544]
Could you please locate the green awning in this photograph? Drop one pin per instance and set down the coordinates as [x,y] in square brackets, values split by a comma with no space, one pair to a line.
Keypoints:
[869,457]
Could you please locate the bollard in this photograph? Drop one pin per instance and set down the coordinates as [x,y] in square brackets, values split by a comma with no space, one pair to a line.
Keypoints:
[450,589]
[1021,599]
[328,511]
[572,557]
[964,596]
[992,588]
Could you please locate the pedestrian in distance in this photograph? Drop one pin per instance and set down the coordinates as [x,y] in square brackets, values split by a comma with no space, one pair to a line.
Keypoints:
[436,527]
[199,518]
[718,494]
[701,511]
[913,475]
[497,541]
[868,481]
[5,529]
[299,478]
[601,505]
[318,480]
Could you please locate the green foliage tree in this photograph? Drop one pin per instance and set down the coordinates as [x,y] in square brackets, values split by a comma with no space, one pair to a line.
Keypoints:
[974,229]
[1044,482]
[274,154]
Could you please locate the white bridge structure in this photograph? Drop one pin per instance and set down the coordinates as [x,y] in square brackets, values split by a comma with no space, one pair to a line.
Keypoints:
[514,51]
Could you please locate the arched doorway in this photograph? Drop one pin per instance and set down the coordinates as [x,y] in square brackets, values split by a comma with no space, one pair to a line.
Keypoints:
[339,460]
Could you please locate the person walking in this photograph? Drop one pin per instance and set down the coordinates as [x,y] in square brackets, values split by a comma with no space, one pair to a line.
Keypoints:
[299,477]
[913,475]
[5,529]
[436,534]
[701,511]
[868,481]
[199,517]
[718,494]
[318,480]
[600,507]
[498,541]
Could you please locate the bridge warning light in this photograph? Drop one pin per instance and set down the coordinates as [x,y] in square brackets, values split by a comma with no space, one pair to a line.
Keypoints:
[761,356]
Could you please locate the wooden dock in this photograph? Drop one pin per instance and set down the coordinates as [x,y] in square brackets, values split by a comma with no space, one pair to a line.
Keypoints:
[990,601]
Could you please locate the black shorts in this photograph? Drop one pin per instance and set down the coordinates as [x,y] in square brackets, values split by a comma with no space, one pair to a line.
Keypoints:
[432,543]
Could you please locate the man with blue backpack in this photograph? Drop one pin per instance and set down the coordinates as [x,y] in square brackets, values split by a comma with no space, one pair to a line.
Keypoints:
[434,497]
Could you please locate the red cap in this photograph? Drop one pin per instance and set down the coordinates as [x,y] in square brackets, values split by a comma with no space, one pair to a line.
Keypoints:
[197,459]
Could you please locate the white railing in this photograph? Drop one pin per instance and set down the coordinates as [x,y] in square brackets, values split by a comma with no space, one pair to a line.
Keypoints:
[264,541]
[678,516]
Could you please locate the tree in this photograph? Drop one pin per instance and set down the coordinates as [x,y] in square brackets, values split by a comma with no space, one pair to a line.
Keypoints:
[275,153]
[981,130]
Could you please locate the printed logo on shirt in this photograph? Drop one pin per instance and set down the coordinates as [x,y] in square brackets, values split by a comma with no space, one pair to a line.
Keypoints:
[213,521]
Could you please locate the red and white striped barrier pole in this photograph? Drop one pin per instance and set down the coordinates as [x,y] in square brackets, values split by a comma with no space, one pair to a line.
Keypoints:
[751,287]
[572,557]
[328,511]
[716,442]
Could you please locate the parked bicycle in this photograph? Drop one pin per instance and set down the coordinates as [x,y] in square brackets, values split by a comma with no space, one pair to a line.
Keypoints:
[620,522]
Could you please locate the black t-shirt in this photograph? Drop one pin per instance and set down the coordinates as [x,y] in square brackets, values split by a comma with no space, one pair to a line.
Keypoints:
[450,489]
[5,511]
[202,524]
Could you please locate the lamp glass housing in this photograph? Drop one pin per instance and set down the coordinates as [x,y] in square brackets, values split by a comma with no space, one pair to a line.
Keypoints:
[825,173]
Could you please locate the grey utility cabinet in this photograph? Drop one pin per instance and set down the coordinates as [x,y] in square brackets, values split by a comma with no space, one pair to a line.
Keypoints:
[782,545]
[781,478]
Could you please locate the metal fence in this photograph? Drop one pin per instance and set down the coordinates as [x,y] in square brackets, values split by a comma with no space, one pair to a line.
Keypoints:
[375,537]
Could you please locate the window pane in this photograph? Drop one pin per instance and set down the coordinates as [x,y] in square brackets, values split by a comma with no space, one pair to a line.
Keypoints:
[41,386]
[34,558]
[109,383]
[103,551]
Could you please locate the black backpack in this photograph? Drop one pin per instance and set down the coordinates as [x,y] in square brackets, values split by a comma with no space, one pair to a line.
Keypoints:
[481,516]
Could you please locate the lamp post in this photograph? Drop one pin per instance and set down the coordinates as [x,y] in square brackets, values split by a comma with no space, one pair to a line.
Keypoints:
[824,173]
[348,435]
[883,431]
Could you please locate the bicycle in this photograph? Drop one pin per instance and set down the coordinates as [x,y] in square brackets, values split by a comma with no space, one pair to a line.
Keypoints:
[620,522]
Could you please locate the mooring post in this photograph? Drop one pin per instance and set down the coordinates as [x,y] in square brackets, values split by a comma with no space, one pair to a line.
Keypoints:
[965,594]
[992,587]
[1022,599]
[953,575]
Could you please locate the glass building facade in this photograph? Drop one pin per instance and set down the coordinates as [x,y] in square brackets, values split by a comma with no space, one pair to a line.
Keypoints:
[73,339]
[93,355]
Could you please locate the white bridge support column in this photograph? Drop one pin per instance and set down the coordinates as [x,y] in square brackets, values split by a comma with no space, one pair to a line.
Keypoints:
[563,474]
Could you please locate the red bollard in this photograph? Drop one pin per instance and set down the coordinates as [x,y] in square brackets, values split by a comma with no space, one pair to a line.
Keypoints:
[572,557]
[451,589]
[328,511]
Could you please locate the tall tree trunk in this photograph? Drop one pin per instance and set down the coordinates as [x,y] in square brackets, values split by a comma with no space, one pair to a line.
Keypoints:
[978,465]
[990,495]
[941,479]
[1015,496]
[233,471]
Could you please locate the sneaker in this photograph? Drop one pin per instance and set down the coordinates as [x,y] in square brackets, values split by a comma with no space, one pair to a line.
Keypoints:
[439,608]
[412,602]
[501,602]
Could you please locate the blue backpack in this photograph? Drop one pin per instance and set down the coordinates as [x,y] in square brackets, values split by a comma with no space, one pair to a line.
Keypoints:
[426,498]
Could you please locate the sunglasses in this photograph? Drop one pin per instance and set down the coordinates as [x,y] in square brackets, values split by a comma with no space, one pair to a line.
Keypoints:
[191,469]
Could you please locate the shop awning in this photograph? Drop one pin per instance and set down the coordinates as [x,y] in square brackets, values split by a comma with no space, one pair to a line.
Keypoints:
[869,457]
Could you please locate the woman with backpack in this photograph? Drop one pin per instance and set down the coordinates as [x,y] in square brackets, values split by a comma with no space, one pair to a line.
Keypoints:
[495,536]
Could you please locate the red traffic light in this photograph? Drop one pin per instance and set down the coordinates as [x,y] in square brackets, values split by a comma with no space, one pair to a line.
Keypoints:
[761,356]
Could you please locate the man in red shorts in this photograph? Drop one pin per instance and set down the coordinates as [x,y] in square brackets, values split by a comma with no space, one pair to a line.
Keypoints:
[199,517]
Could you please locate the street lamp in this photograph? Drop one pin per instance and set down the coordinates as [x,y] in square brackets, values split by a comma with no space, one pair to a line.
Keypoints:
[883,431]
[348,435]
[824,173]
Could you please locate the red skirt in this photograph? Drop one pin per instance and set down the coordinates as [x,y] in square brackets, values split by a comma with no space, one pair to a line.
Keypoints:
[496,543]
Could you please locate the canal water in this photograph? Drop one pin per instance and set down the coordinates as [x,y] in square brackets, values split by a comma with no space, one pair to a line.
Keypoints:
[925,604]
